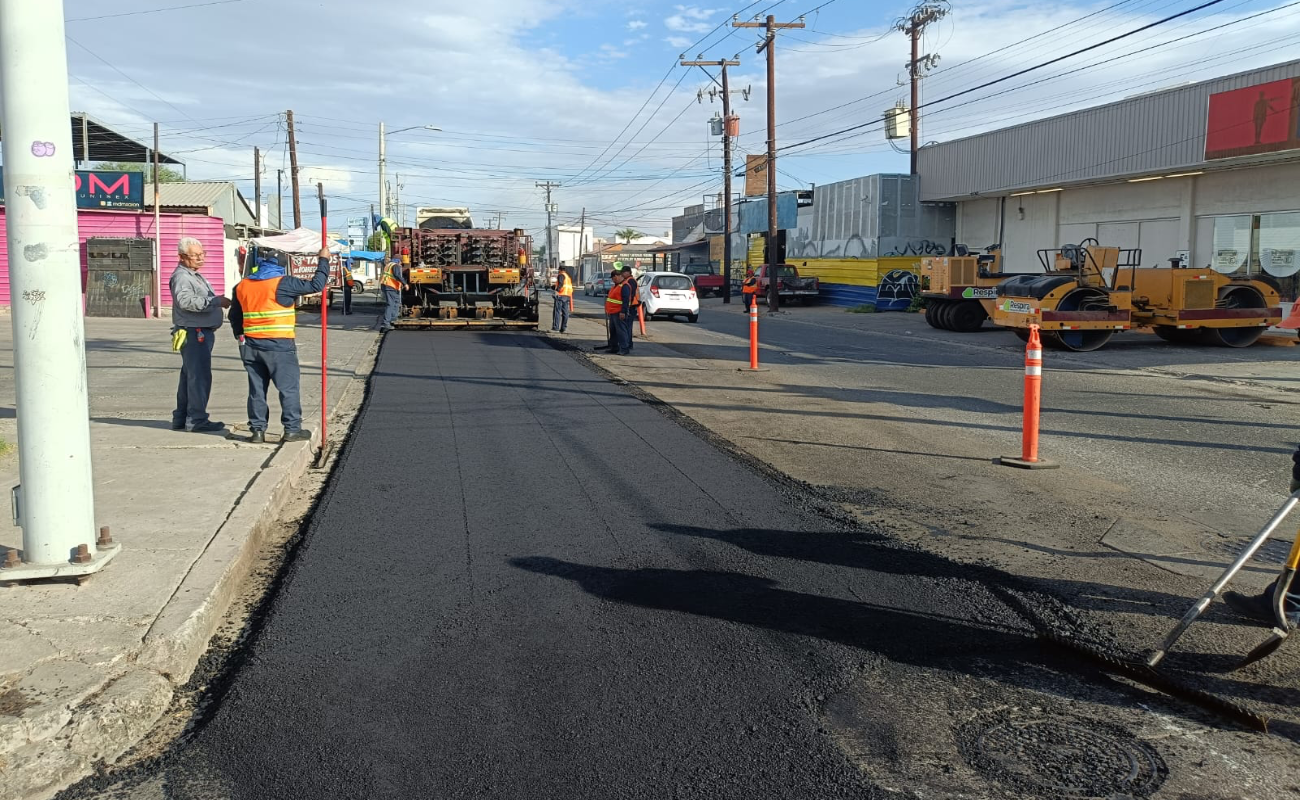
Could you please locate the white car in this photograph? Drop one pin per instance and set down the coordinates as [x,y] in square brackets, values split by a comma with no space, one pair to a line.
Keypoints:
[669,294]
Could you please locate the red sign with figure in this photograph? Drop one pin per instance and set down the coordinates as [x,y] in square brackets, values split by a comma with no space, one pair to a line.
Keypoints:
[1257,119]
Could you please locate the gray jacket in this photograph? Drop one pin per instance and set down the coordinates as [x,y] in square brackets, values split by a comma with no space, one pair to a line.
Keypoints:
[194,303]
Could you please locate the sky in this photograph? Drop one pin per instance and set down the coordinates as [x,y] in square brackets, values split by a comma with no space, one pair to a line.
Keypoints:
[589,94]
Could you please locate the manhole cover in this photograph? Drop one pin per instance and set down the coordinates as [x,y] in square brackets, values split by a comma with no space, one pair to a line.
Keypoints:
[1062,757]
[1274,551]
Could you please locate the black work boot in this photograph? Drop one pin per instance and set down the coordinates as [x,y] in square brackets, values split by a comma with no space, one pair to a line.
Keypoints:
[1259,607]
[257,437]
[303,435]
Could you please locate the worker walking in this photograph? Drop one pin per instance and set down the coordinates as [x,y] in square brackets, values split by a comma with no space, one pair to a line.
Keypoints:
[750,289]
[263,317]
[196,315]
[393,281]
[563,302]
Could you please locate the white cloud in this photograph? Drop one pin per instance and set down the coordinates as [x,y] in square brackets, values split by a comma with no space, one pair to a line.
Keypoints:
[610,51]
[678,41]
[637,24]
[691,19]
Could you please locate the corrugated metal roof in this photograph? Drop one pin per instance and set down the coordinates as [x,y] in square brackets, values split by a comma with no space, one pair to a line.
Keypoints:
[190,194]
[1139,135]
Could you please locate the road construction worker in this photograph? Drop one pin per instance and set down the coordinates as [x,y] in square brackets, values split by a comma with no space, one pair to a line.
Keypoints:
[750,289]
[633,295]
[563,301]
[392,282]
[611,333]
[614,312]
[627,301]
[347,289]
[1260,607]
[263,317]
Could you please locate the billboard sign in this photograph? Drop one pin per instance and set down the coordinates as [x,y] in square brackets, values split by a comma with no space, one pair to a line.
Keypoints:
[1264,118]
[756,175]
[105,190]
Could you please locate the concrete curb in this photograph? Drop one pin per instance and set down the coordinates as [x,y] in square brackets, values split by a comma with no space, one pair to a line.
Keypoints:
[127,706]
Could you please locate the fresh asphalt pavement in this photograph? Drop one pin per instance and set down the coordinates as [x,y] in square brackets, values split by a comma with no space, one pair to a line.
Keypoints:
[524,582]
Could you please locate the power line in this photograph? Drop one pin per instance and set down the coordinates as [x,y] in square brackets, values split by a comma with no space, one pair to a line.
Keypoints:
[155,10]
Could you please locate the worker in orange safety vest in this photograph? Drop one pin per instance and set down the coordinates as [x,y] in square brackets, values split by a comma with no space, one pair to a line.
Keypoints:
[563,302]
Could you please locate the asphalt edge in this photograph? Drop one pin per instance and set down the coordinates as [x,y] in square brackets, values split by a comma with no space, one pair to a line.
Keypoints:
[126,707]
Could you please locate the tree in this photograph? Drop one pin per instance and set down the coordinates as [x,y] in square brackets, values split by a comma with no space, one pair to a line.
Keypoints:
[539,253]
[165,174]
[377,241]
[628,234]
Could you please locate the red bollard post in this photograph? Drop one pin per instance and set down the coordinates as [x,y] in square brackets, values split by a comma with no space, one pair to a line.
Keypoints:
[753,336]
[1033,402]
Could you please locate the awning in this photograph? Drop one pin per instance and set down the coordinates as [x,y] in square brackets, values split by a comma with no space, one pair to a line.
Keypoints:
[369,255]
[302,241]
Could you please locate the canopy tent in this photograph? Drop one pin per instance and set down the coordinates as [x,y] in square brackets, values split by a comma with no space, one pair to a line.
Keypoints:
[368,255]
[300,241]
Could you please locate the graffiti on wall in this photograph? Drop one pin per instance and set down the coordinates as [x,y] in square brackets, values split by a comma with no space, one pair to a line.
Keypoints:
[918,247]
[897,288]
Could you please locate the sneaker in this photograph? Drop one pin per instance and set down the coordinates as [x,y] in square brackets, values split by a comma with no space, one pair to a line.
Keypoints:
[296,436]
[208,427]
[257,437]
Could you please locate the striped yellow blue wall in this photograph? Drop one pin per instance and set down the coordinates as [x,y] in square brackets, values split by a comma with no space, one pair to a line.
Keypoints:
[853,281]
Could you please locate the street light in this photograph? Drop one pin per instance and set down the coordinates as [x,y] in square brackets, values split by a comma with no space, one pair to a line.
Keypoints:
[383,161]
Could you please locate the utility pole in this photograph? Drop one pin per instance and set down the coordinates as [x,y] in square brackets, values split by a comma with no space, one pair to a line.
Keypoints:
[582,242]
[726,167]
[54,502]
[551,208]
[922,16]
[257,183]
[293,173]
[279,199]
[157,228]
[383,167]
[769,44]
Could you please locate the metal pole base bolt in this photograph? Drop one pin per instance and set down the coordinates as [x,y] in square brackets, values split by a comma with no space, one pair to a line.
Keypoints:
[84,560]
[1028,458]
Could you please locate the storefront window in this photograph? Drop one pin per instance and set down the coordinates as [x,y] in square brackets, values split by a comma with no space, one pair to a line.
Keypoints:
[1230,251]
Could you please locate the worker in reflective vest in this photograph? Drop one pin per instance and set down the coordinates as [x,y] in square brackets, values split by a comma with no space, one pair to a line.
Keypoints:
[563,302]
[392,282]
[263,317]
[628,301]
[614,308]
[632,296]
[750,289]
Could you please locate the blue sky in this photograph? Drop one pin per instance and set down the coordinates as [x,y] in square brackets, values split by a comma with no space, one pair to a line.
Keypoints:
[533,90]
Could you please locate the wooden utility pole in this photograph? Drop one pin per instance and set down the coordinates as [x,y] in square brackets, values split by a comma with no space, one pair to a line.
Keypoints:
[769,44]
[257,185]
[293,172]
[914,24]
[582,241]
[726,168]
[157,227]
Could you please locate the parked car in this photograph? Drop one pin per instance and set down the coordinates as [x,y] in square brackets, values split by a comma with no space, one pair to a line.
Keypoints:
[707,280]
[596,287]
[789,285]
[669,294]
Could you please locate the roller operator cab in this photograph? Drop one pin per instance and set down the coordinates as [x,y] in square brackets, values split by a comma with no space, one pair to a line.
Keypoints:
[959,290]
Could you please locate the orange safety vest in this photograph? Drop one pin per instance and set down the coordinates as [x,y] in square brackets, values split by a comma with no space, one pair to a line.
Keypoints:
[390,279]
[750,286]
[614,300]
[264,317]
[565,289]
[636,292]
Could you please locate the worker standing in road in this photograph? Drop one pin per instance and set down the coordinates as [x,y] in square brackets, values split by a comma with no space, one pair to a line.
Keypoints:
[633,296]
[611,333]
[563,302]
[613,314]
[347,290]
[628,300]
[393,281]
[196,315]
[263,317]
[750,289]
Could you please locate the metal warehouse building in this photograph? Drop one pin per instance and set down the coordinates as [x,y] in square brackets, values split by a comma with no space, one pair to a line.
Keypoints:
[1208,172]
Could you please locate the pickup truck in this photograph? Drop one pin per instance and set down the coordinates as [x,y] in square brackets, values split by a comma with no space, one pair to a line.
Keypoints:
[707,282]
[788,284]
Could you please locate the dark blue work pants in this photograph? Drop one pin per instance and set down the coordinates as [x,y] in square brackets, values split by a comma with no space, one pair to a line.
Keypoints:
[196,377]
[624,330]
[265,367]
[392,307]
[560,315]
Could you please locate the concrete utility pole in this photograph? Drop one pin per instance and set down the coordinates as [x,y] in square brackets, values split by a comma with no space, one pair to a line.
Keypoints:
[551,208]
[257,183]
[383,167]
[54,502]
[293,173]
[157,228]
[769,44]
[726,167]
[922,16]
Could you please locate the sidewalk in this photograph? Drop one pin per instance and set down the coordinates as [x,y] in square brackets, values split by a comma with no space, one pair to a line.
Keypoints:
[1170,459]
[86,670]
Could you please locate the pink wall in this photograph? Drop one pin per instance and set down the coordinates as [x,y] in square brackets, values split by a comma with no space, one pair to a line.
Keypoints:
[124,225]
